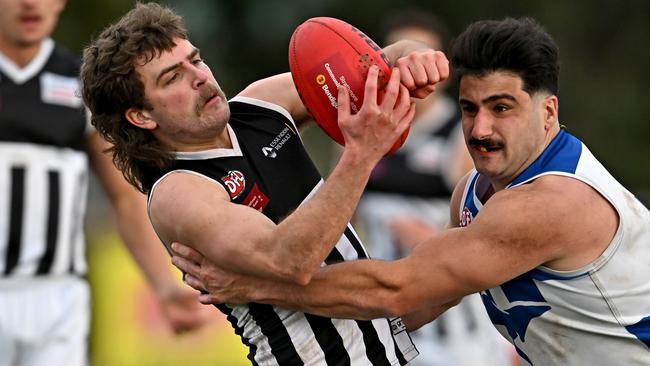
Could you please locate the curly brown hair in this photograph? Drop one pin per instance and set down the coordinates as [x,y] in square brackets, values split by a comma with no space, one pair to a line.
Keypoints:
[111,85]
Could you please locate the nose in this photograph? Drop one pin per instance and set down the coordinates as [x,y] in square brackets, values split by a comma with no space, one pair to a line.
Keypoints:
[482,125]
[200,76]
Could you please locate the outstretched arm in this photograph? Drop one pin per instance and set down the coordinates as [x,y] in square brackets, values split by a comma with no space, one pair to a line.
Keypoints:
[503,242]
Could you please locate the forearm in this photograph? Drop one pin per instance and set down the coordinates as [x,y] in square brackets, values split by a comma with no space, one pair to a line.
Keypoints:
[144,246]
[304,239]
[362,291]
[418,318]
[403,48]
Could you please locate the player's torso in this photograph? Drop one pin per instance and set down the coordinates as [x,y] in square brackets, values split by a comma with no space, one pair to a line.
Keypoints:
[43,167]
[599,314]
[269,170]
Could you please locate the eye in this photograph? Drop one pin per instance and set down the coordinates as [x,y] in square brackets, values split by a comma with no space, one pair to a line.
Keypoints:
[197,61]
[173,78]
[468,108]
[501,108]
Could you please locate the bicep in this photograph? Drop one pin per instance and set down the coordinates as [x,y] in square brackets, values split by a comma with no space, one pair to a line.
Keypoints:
[197,212]
[503,242]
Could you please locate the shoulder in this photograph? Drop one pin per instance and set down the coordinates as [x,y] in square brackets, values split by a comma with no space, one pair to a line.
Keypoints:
[64,61]
[180,196]
[562,218]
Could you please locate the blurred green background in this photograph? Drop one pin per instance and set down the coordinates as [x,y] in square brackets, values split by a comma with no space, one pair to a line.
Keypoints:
[603,85]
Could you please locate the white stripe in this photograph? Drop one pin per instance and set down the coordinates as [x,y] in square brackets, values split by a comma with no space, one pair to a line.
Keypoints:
[386,337]
[213,153]
[20,75]
[352,340]
[37,160]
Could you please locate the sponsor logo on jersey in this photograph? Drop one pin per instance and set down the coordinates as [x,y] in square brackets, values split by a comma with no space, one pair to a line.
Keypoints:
[274,147]
[269,152]
[397,326]
[256,199]
[320,79]
[465,217]
[60,90]
[235,183]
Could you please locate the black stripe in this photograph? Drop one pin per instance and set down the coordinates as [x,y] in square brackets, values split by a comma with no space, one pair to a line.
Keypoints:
[375,350]
[15,218]
[334,257]
[54,194]
[356,244]
[398,352]
[329,340]
[252,349]
[272,327]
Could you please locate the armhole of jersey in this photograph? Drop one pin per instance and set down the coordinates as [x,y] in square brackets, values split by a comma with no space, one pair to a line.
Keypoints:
[617,240]
[468,184]
[267,105]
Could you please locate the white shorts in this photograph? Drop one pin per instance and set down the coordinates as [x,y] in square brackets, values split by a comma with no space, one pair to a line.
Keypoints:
[44,321]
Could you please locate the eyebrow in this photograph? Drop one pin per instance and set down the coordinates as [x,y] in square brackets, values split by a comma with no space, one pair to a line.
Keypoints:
[195,51]
[491,98]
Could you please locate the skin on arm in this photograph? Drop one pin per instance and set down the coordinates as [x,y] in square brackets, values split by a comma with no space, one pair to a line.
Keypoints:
[517,230]
[179,304]
[194,210]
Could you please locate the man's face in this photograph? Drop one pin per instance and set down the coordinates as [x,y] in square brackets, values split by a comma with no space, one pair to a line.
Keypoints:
[189,108]
[25,23]
[504,126]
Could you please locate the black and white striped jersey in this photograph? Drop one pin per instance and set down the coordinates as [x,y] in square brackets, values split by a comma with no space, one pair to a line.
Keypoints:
[43,167]
[268,169]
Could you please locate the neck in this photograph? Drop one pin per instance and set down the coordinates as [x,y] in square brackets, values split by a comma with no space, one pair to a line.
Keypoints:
[222,141]
[21,55]
[548,138]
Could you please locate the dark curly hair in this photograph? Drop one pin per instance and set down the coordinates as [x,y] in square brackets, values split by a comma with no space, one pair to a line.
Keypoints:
[520,46]
[111,85]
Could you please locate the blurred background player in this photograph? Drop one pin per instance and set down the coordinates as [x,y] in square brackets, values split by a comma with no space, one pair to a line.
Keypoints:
[45,146]
[407,200]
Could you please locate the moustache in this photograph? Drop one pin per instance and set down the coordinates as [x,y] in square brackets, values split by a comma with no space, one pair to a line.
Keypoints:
[207,92]
[488,144]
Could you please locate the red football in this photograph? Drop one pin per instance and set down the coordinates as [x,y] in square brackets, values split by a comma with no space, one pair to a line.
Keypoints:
[327,52]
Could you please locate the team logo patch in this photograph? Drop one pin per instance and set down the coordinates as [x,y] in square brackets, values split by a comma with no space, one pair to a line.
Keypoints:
[465,217]
[235,183]
[256,199]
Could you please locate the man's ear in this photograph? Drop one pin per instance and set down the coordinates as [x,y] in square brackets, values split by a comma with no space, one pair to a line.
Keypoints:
[141,119]
[551,106]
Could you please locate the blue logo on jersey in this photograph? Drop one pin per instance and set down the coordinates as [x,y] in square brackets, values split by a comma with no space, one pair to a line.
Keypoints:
[516,319]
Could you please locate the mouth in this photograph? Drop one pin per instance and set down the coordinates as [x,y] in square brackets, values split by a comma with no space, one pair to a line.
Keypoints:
[30,19]
[212,100]
[485,146]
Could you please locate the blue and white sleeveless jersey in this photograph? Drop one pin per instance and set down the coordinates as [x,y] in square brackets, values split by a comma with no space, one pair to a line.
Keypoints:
[596,315]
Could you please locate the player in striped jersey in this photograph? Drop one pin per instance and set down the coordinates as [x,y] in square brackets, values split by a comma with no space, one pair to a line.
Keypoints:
[46,145]
[557,247]
[233,180]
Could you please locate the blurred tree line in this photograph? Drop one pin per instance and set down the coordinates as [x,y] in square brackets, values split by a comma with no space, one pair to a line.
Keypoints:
[604,52]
